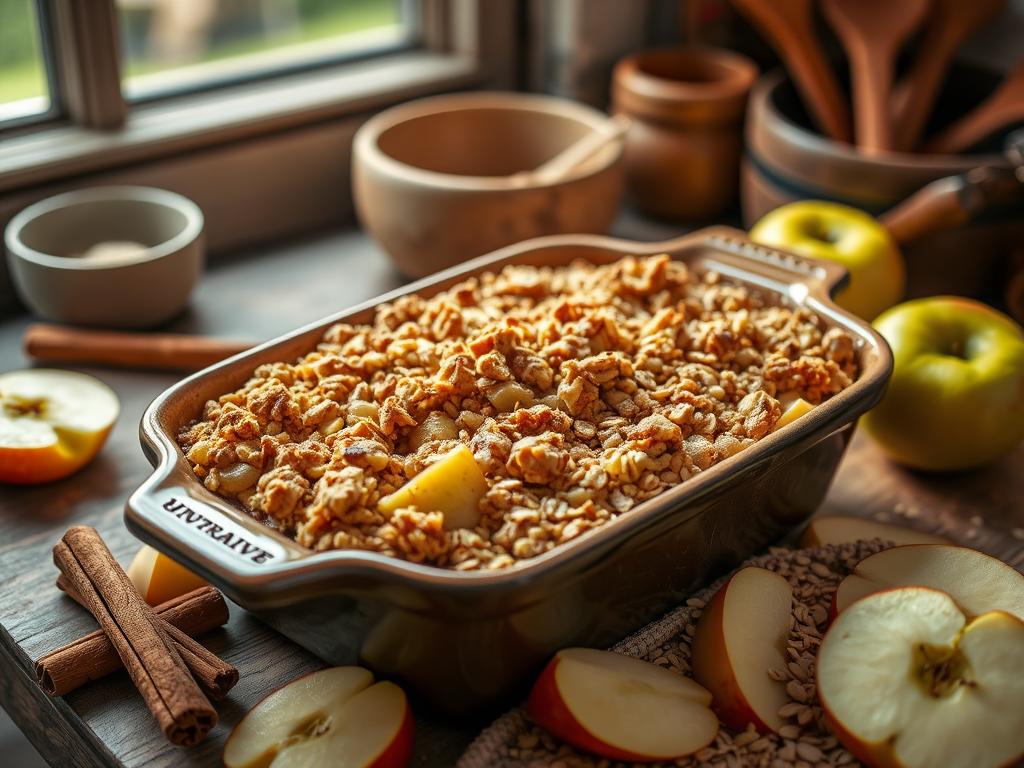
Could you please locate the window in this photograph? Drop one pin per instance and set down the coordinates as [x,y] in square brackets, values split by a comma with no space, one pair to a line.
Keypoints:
[170,46]
[248,107]
[24,87]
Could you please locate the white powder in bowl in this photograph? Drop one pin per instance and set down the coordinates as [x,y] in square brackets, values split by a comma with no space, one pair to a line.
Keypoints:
[112,251]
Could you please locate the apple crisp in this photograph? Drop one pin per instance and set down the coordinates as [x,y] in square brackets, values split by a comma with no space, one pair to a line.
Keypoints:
[580,391]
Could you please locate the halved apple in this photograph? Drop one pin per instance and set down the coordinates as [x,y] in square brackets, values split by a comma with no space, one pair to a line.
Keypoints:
[337,716]
[740,636]
[52,423]
[159,578]
[977,582]
[839,529]
[621,708]
[453,485]
[905,679]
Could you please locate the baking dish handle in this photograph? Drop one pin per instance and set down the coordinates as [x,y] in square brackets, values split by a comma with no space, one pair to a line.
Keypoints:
[206,534]
[821,277]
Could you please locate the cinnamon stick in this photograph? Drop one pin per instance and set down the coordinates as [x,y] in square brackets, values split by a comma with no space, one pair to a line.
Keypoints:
[154,665]
[92,657]
[120,349]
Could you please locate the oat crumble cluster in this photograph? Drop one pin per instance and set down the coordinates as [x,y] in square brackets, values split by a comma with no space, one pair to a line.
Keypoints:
[581,392]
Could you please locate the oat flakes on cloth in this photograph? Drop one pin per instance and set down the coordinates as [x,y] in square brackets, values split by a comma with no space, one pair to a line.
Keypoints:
[513,741]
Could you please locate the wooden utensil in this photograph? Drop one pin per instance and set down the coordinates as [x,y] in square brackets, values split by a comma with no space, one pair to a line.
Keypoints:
[956,200]
[160,351]
[949,24]
[575,155]
[872,32]
[1004,106]
[789,27]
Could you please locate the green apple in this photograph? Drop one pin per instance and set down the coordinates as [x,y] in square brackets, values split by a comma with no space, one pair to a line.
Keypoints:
[847,236]
[956,397]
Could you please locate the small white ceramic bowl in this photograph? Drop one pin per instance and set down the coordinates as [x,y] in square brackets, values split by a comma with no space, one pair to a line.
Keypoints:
[122,286]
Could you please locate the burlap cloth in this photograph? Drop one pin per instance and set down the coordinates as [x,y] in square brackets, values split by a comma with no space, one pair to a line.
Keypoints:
[512,741]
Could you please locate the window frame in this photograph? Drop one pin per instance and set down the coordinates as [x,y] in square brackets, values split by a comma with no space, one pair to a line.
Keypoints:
[46,49]
[409,13]
[192,143]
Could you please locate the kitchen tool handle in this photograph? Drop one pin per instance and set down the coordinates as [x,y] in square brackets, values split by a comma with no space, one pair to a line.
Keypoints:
[819,88]
[914,96]
[953,201]
[160,351]
[872,83]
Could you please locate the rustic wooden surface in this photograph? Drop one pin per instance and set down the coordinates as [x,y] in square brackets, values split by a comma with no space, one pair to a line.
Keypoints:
[260,296]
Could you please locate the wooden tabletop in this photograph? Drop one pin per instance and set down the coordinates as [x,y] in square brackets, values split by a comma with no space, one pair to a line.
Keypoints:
[260,296]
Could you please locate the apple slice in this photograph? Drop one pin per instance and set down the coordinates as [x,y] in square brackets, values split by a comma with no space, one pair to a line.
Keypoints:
[159,578]
[621,708]
[838,529]
[453,485]
[52,423]
[906,680]
[977,582]
[337,716]
[740,636]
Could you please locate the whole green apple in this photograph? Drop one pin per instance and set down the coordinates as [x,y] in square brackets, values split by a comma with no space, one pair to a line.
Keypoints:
[847,236]
[956,397]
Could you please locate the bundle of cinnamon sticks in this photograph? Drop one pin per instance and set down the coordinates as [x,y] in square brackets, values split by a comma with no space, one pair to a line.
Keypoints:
[172,671]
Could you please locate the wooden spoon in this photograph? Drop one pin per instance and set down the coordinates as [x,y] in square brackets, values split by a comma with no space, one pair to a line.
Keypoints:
[1004,106]
[789,27]
[872,32]
[950,23]
[573,156]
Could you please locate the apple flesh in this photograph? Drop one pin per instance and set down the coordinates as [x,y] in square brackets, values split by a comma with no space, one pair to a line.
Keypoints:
[453,485]
[621,708]
[956,396]
[906,679]
[337,716]
[847,236]
[793,411]
[977,582]
[741,634]
[52,423]
[158,578]
[836,529]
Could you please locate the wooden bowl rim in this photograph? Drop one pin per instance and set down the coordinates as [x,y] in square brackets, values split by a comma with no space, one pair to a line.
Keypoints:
[366,146]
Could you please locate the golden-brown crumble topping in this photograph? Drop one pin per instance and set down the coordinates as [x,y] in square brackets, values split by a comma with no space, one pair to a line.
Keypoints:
[580,391]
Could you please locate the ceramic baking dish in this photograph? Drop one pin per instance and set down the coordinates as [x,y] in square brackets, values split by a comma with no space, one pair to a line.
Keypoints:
[465,641]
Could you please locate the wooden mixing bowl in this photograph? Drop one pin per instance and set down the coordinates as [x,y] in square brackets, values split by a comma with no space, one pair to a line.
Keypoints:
[432,178]
[787,160]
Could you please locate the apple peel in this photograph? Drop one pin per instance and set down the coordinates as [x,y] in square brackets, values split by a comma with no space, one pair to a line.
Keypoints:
[621,708]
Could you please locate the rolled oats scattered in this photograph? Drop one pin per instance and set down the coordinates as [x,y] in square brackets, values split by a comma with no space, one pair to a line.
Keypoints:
[798,671]
[808,752]
[581,391]
[803,739]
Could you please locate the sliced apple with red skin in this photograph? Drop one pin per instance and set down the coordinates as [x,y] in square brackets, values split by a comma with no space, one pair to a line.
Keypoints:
[158,578]
[839,529]
[337,716]
[621,708]
[740,635]
[906,679]
[977,582]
